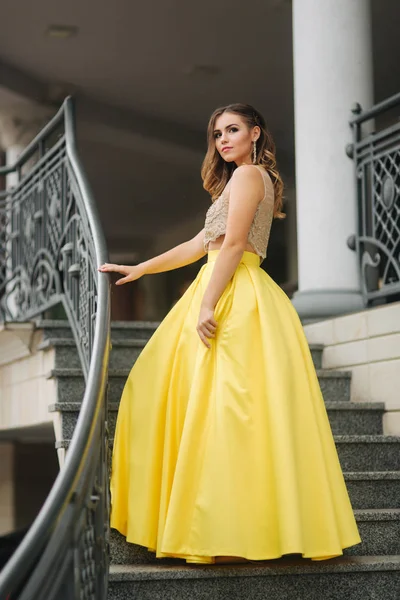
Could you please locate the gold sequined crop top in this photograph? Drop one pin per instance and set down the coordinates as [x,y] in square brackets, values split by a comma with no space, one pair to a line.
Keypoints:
[258,236]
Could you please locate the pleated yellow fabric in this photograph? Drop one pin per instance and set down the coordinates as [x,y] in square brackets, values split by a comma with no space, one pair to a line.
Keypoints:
[229,450]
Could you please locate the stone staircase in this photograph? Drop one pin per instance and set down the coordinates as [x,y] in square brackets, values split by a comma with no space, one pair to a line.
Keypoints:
[371,466]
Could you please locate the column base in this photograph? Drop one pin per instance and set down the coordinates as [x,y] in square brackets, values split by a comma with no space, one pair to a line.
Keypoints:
[317,305]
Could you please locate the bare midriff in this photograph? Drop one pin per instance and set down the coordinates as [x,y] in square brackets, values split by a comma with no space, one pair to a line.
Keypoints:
[217,243]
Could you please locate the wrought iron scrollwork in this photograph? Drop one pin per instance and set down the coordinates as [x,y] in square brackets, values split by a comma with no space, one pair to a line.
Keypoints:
[51,242]
[49,255]
[376,157]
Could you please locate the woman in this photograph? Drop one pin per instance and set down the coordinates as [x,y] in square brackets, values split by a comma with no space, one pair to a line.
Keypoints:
[223,449]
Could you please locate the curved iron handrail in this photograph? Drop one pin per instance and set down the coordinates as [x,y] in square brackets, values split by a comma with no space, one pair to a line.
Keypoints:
[379,108]
[65,552]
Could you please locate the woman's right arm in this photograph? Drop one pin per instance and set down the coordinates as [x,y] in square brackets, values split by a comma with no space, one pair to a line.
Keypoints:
[179,256]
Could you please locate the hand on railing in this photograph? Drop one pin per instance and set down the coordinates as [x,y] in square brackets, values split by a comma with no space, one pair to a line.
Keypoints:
[131,273]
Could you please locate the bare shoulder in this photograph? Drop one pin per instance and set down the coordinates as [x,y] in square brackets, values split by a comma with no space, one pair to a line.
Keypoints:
[246,172]
[248,175]
[245,179]
[265,175]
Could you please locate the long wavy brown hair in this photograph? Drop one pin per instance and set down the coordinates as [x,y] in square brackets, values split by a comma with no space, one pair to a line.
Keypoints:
[215,172]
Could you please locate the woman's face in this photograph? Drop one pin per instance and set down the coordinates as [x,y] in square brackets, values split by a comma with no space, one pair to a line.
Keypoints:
[233,139]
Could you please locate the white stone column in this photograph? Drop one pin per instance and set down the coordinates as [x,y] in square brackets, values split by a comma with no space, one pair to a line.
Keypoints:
[332,70]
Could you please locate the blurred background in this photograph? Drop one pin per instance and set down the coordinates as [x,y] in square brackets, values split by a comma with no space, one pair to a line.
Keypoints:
[146,77]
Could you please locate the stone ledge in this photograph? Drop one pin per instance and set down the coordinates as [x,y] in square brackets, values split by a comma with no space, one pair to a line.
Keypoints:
[16,341]
[278,566]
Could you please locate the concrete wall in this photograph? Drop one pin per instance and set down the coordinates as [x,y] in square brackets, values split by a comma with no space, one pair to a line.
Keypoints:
[28,459]
[25,393]
[367,344]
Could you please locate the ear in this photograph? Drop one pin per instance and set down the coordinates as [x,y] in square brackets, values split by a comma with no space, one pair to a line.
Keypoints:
[256,133]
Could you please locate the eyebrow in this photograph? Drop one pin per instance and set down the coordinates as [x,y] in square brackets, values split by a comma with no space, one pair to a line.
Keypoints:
[227,127]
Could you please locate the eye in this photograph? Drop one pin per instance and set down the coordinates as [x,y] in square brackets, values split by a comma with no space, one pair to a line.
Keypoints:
[231,129]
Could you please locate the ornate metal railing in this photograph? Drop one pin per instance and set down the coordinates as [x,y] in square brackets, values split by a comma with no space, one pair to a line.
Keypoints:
[51,243]
[376,155]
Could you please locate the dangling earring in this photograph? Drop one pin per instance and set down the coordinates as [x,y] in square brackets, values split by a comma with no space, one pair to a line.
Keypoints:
[254,152]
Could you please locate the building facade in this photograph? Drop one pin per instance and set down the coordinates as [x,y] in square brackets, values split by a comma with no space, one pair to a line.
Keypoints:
[323,72]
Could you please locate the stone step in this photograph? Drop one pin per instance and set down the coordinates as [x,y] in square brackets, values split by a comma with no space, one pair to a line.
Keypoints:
[350,418]
[335,385]
[131,330]
[379,531]
[119,329]
[367,489]
[122,356]
[368,452]
[66,355]
[316,353]
[124,351]
[356,452]
[373,489]
[286,578]
[345,417]
[54,327]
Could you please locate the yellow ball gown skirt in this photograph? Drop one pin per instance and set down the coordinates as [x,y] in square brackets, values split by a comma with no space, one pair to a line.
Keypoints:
[228,450]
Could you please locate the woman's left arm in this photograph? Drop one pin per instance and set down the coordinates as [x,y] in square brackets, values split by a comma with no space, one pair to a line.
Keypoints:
[246,191]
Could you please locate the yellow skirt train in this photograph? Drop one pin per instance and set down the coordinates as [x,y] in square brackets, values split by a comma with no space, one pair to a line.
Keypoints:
[228,450]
